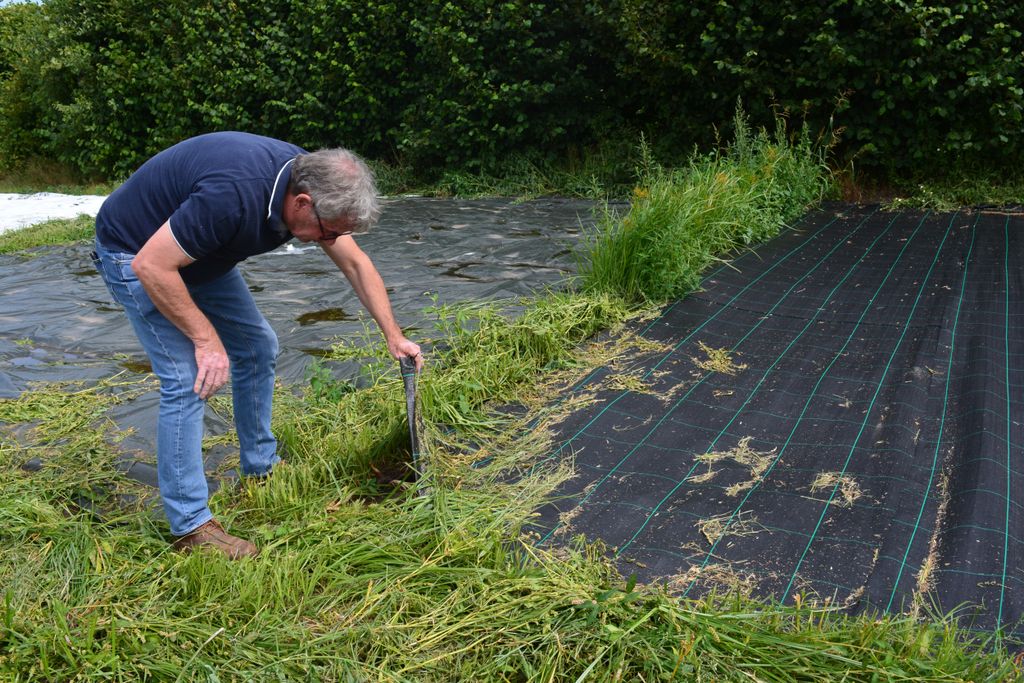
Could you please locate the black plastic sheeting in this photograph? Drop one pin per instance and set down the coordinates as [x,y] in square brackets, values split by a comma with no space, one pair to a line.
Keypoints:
[58,322]
[866,450]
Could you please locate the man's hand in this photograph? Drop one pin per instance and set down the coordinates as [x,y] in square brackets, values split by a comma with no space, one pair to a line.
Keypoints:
[212,367]
[403,347]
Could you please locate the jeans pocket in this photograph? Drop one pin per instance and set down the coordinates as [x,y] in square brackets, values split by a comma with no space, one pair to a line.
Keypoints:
[125,270]
[120,266]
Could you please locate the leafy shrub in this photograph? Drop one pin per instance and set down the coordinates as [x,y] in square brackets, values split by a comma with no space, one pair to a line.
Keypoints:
[103,84]
[436,84]
[21,97]
[911,83]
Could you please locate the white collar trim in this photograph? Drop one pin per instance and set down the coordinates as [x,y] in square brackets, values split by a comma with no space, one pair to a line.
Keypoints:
[273,193]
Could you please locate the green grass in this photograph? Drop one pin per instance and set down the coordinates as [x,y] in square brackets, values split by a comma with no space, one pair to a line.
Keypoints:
[357,582]
[50,233]
[942,190]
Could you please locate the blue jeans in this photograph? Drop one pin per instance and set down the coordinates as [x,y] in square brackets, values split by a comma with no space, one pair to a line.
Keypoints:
[252,349]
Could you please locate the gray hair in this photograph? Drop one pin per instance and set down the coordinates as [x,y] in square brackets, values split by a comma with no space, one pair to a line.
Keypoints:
[340,184]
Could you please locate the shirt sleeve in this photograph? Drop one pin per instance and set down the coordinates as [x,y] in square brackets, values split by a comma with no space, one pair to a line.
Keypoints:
[210,218]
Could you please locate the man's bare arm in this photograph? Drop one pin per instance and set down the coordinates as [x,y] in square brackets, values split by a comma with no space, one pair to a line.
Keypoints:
[156,266]
[369,287]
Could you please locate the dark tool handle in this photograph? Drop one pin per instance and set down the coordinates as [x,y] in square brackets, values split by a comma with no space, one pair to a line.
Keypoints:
[409,374]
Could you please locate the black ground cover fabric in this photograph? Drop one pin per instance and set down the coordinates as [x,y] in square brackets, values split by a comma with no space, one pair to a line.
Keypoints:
[867,447]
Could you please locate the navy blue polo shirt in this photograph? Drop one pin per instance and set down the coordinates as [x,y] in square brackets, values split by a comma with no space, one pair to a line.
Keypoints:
[222,193]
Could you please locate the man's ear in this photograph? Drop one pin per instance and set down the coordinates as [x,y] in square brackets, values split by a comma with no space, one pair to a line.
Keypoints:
[293,203]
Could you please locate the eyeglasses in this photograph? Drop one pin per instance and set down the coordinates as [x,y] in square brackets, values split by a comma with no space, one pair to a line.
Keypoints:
[324,233]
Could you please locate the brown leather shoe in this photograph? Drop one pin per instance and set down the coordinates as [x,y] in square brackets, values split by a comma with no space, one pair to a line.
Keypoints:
[212,535]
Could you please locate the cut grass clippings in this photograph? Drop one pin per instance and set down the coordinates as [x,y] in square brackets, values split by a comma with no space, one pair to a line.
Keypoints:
[756,462]
[847,488]
[355,583]
[718,360]
[407,589]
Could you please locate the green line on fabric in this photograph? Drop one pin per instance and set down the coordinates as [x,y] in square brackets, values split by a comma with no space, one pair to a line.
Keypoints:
[814,390]
[784,296]
[874,398]
[1009,422]
[684,342]
[942,422]
[687,339]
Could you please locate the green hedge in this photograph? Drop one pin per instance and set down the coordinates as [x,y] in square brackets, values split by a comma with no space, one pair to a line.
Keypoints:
[102,84]
[23,93]
[909,83]
[436,84]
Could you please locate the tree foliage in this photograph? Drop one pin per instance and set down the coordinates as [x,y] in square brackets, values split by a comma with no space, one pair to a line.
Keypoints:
[102,84]
[909,82]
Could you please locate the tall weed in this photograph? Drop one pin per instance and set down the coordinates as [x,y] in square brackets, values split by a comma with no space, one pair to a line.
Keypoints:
[682,220]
